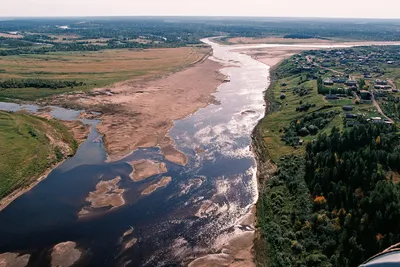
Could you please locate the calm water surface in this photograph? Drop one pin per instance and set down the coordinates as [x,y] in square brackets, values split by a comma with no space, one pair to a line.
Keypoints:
[189,218]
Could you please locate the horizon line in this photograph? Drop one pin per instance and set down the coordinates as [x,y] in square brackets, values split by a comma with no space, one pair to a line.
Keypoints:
[194,16]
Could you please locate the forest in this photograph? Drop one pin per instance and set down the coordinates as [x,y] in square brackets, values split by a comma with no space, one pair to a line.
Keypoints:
[334,199]
[38,83]
[339,204]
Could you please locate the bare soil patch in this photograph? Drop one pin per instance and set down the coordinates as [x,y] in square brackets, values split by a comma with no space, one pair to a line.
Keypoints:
[65,254]
[160,184]
[276,40]
[107,194]
[146,108]
[143,169]
[14,260]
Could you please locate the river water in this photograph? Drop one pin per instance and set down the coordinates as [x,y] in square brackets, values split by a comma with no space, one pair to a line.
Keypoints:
[187,219]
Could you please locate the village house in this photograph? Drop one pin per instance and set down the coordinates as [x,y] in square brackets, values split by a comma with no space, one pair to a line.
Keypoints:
[347,108]
[366,95]
[350,83]
[380,82]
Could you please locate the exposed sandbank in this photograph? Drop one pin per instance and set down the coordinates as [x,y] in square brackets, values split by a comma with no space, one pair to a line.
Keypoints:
[14,260]
[160,184]
[236,249]
[143,169]
[65,254]
[139,113]
[127,240]
[107,194]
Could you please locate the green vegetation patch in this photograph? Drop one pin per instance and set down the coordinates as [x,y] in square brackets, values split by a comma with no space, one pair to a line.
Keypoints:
[30,145]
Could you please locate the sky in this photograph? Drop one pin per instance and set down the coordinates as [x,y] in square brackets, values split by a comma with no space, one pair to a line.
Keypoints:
[270,8]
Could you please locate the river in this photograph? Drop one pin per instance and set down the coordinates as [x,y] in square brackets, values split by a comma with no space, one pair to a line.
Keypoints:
[191,217]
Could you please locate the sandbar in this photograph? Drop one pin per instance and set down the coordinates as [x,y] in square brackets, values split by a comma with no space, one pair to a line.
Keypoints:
[107,194]
[139,113]
[162,183]
[65,254]
[14,260]
[143,169]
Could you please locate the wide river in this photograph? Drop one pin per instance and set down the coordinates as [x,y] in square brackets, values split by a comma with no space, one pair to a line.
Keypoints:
[190,217]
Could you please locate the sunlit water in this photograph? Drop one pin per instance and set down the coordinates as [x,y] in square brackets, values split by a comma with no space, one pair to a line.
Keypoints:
[169,225]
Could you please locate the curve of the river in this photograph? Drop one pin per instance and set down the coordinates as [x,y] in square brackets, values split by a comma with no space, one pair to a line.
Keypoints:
[187,219]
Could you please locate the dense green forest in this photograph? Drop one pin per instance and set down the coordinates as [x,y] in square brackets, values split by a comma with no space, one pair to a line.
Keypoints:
[338,205]
[38,83]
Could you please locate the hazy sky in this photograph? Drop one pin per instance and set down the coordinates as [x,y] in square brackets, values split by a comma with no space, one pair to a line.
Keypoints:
[278,8]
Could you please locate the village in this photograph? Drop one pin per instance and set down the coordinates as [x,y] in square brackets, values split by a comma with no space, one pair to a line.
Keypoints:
[363,80]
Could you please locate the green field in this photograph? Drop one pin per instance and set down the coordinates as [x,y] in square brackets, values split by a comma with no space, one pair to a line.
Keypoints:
[95,69]
[30,145]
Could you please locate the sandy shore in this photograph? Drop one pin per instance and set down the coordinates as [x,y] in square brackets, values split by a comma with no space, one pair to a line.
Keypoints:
[311,41]
[14,260]
[107,194]
[272,56]
[65,254]
[139,113]
[143,169]
[160,184]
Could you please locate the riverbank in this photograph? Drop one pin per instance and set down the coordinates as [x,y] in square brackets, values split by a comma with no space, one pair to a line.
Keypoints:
[139,113]
[33,146]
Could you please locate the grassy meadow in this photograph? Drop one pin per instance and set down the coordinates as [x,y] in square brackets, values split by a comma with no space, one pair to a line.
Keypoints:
[30,145]
[94,69]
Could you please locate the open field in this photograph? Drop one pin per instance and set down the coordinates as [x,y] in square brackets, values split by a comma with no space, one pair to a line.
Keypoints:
[8,35]
[30,145]
[94,69]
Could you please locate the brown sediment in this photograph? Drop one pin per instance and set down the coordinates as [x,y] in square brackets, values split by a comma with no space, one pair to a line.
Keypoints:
[311,41]
[236,249]
[207,209]
[192,183]
[174,155]
[276,40]
[143,169]
[199,150]
[65,254]
[14,260]
[127,232]
[78,129]
[139,113]
[131,243]
[271,56]
[88,115]
[107,194]
[162,183]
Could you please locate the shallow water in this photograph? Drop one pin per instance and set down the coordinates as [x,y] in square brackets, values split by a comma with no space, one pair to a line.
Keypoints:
[169,225]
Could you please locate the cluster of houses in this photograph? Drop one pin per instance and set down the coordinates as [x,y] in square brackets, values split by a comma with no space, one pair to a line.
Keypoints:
[351,119]
[381,84]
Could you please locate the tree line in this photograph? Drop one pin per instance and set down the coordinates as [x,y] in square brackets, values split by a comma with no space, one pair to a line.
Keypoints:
[38,83]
